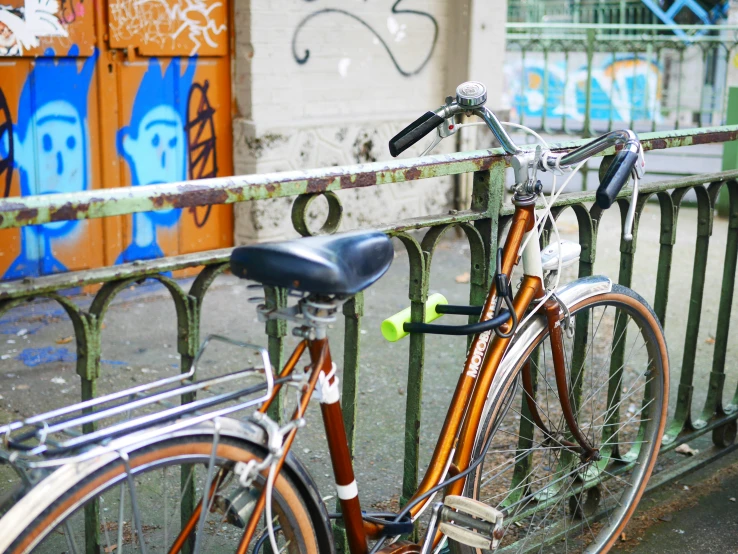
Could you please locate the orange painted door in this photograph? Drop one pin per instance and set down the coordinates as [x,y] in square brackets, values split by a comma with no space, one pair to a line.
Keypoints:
[106,94]
[174,117]
[48,139]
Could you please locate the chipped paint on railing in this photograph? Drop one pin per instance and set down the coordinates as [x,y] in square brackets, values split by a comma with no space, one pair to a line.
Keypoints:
[33,210]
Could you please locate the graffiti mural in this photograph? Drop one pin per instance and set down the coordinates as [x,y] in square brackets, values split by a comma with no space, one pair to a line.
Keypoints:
[154,145]
[21,28]
[396,29]
[176,24]
[201,142]
[626,88]
[49,146]
[71,10]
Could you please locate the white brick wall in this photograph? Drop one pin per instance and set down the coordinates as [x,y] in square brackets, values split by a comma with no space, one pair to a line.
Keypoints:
[348,99]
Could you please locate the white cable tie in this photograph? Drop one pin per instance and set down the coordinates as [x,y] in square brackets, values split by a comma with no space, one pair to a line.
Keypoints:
[557,165]
[325,391]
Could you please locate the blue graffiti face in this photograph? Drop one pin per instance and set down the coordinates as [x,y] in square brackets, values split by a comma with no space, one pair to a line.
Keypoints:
[50,150]
[53,157]
[157,155]
[154,145]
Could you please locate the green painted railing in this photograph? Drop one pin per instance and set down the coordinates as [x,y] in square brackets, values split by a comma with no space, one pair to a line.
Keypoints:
[589,78]
[579,11]
[481,224]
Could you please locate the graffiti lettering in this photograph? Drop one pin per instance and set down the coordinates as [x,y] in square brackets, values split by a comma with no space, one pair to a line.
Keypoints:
[397,30]
[162,21]
[21,28]
[49,146]
[203,162]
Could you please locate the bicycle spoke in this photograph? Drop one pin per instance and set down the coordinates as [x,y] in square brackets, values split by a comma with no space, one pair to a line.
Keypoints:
[548,483]
[134,502]
[69,536]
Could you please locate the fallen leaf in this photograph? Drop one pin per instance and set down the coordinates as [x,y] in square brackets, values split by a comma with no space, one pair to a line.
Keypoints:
[21,387]
[623,537]
[463,278]
[64,340]
[102,326]
[710,340]
[686,450]
[666,517]
[111,548]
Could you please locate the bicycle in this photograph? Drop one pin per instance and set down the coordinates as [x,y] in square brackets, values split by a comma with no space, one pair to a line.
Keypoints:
[557,415]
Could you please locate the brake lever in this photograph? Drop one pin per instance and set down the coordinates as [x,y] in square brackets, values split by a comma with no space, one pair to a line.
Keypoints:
[639,170]
[438,138]
[630,217]
[444,130]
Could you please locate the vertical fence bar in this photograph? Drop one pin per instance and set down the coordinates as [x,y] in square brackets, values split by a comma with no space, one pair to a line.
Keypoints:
[418,294]
[276,330]
[667,238]
[353,311]
[564,126]
[545,86]
[683,417]
[587,131]
[730,150]
[722,332]
[679,88]
[488,192]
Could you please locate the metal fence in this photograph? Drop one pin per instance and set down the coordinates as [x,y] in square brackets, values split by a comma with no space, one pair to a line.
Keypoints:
[579,11]
[587,78]
[482,226]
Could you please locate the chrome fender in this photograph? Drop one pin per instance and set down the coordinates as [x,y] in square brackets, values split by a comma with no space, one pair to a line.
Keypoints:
[41,496]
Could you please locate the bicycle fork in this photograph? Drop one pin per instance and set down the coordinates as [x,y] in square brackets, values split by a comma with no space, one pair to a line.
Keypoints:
[582,446]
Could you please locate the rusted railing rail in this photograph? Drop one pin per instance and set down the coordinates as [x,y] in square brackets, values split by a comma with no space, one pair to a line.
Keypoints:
[481,224]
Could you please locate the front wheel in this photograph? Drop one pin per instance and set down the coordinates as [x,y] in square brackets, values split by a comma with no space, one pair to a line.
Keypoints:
[618,377]
[144,504]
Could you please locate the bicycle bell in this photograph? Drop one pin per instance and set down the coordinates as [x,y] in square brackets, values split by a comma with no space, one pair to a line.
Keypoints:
[471,94]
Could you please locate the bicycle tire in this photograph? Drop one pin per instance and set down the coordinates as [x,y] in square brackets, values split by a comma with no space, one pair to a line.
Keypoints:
[304,523]
[585,521]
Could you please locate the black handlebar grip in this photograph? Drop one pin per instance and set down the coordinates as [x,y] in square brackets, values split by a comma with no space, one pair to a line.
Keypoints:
[414,132]
[616,177]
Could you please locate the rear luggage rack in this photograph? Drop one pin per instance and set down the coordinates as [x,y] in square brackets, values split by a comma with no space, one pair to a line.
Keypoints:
[150,406]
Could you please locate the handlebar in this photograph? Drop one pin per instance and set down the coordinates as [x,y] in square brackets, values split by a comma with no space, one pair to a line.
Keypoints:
[414,132]
[617,175]
[470,99]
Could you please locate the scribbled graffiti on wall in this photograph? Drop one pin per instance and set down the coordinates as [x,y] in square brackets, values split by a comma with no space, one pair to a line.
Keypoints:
[155,147]
[624,89]
[21,28]
[201,142]
[49,146]
[395,28]
[173,24]
[71,10]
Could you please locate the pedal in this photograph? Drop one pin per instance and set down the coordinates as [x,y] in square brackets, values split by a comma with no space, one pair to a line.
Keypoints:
[471,522]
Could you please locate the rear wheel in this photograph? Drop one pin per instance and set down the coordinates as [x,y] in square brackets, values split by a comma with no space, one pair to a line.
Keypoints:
[145,510]
[617,373]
